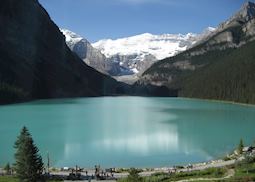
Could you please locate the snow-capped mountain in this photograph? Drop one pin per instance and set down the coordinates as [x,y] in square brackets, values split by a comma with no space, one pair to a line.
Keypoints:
[132,55]
[160,46]
[139,52]
[71,37]
[90,55]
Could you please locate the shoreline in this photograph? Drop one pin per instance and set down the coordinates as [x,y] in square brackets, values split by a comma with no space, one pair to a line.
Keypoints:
[144,172]
[220,101]
[117,96]
[120,173]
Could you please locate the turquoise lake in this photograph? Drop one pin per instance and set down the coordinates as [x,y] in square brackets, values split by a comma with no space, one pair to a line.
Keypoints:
[127,131]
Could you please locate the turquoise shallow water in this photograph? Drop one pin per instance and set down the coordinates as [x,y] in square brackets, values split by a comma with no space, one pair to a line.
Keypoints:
[127,131]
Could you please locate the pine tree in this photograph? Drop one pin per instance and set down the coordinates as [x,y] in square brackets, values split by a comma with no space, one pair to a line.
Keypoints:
[7,168]
[29,165]
[240,147]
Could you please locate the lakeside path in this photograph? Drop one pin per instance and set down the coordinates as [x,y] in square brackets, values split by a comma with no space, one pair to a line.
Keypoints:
[196,167]
[231,173]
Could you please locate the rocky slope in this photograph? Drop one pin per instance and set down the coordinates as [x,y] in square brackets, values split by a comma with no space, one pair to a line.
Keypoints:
[35,62]
[89,54]
[210,69]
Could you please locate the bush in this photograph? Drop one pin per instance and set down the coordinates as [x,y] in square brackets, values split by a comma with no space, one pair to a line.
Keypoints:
[134,175]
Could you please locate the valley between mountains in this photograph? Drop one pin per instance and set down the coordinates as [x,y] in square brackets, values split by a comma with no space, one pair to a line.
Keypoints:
[39,60]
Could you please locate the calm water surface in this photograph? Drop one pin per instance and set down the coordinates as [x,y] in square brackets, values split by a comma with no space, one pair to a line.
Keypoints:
[127,131]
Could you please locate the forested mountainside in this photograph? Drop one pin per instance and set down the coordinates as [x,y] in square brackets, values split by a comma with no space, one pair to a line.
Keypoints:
[35,62]
[219,67]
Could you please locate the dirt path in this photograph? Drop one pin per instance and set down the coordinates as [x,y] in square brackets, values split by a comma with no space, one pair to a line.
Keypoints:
[231,173]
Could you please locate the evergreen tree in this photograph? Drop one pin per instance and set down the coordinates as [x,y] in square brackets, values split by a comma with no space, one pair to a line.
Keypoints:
[29,165]
[7,168]
[240,147]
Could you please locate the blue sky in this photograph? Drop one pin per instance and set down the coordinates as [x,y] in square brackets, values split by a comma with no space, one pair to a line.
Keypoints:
[101,19]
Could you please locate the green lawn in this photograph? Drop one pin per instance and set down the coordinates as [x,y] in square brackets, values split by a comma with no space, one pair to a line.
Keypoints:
[13,179]
[162,177]
[8,179]
[244,172]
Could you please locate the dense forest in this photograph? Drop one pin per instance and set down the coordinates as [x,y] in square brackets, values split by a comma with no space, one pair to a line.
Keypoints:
[229,77]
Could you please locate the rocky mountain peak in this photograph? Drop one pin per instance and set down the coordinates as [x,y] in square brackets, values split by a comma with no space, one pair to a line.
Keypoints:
[71,37]
[248,5]
[247,11]
[245,14]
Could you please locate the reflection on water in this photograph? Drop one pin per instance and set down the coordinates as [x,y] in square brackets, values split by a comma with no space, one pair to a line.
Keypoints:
[142,144]
[127,131]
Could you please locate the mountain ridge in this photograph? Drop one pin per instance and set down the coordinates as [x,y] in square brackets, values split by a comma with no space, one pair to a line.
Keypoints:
[195,72]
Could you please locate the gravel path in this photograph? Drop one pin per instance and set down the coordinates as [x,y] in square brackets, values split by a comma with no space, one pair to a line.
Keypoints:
[209,165]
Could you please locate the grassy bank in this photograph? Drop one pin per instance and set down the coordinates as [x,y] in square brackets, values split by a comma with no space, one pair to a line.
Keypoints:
[13,179]
[242,171]
[8,179]
[164,177]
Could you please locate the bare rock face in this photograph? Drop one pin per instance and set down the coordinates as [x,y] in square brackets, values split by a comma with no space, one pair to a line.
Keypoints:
[244,15]
[95,58]
[249,28]
[35,60]
[234,32]
[132,64]
[224,37]
[89,54]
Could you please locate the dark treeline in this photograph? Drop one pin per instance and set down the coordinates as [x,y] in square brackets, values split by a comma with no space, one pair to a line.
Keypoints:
[230,77]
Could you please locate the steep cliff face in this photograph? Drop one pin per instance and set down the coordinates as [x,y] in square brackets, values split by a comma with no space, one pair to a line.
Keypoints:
[35,61]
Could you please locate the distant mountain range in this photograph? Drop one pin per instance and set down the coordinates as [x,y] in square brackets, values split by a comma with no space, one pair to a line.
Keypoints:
[139,52]
[131,55]
[221,66]
[38,61]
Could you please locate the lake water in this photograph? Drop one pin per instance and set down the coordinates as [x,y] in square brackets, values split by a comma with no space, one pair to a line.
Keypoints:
[127,131]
